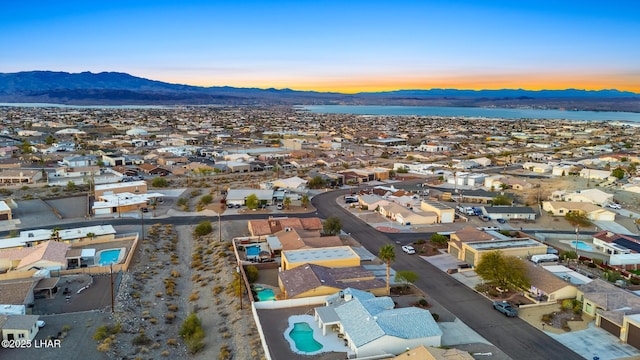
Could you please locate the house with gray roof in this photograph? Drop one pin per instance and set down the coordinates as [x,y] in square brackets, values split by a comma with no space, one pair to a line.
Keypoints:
[510,212]
[19,327]
[371,326]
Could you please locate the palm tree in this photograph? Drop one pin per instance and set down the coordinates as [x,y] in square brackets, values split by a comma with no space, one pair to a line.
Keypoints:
[55,233]
[305,201]
[287,202]
[388,254]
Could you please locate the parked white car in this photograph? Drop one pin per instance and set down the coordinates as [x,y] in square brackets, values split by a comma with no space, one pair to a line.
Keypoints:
[408,249]
[615,206]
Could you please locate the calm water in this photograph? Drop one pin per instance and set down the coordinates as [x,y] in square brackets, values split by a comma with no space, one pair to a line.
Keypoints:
[474,112]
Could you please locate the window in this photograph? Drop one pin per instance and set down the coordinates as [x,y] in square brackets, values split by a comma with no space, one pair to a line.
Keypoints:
[20,335]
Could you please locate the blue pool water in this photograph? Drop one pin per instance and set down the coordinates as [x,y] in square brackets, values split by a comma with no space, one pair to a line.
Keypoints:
[253,250]
[302,336]
[109,257]
[581,246]
[265,294]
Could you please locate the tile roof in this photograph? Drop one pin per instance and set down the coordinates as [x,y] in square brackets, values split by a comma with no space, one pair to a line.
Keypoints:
[307,277]
[367,318]
[52,251]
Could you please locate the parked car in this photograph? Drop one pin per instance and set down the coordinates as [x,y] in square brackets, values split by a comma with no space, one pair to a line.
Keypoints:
[501,221]
[408,249]
[40,323]
[484,218]
[279,206]
[505,308]
[615,206]
[490,228]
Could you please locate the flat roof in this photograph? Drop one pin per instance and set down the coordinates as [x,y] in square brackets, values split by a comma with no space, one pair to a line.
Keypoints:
[504,244]
[320,254]
[437,205]
[120,185]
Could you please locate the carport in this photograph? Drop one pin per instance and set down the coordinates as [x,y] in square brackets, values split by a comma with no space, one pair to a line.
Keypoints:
[49,286]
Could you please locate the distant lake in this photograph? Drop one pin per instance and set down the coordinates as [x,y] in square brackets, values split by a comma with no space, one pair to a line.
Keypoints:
[473,112]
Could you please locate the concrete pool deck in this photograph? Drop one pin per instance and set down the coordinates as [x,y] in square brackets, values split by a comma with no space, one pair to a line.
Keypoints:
[330,342]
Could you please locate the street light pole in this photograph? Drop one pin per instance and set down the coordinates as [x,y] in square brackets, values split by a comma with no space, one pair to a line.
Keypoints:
[219,227]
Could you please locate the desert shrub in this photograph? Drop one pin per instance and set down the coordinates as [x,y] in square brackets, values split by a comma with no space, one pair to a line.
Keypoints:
[225,353]
[192,333]
[101,333]
[435,316]
[66,328]
[165,353]
[421,241]
[423,302]
[203,228]
[140,340]
[172,307]
[577,308]
[175,273]
[104,347]
[217,289]
[547,318]
[568,304]
[172,342]
[194,296]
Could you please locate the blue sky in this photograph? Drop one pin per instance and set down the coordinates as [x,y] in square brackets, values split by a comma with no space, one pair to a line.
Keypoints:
[333,45]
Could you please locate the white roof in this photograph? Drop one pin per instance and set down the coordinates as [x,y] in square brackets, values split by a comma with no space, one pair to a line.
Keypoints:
[88,253]
[120,185]
[124,199]
[4,206]
[45,234]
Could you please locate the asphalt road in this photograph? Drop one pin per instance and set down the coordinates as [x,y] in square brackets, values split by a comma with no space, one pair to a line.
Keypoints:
[513,336]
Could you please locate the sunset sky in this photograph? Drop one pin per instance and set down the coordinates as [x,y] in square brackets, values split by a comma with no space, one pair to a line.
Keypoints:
[345,46]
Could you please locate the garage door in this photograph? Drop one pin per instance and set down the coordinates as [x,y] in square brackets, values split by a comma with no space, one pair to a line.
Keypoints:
[454,252]
[4,216]
[633,338]
[610,327]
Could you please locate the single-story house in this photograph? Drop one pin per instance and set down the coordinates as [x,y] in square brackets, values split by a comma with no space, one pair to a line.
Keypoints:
[593,212]
[371,326]
[19,327]
[317,280]
[510,212]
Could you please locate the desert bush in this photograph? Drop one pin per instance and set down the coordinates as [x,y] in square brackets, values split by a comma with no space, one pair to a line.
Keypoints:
[423,302]
[203,228]
[217,289]
[175,273]
[194,296]
[547,318]
[66,328]
[172,342]
[165,353]
[101,333]
[141,340]
[153,320]
[225,353]
[172,307]
[192,333]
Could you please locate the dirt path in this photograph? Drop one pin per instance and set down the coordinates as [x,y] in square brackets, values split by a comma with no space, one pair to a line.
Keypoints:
[174,276]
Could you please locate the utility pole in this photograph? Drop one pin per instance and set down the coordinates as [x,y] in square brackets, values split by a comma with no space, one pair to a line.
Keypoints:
[219,226]
[142,222]
[112,296]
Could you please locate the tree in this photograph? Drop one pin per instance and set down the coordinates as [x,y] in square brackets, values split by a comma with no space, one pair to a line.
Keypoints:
[503,271]
[388,254]
[159,182]
[71,186]
[316,182]
[287,202]
[407,277]
[305,201]
[25,147]
[206,199]
[618,173]
[252,201]
[332,226]
[578,218]
[49,140]
[439,240]
[501,200]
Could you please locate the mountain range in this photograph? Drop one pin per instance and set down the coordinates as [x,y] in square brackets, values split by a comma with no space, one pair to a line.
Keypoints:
[114,88]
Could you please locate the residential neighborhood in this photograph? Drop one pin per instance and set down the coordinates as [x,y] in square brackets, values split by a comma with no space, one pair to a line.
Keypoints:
[290,234]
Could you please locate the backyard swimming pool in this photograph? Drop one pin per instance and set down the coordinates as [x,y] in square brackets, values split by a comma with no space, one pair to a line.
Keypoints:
[253,250]
[581,246]
[264,294]
[302,336]
[107,257]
